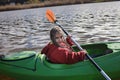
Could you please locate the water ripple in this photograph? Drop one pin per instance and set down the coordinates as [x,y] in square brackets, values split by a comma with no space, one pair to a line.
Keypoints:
[88,23]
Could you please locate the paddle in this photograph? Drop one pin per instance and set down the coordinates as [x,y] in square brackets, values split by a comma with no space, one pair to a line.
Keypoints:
[51,17]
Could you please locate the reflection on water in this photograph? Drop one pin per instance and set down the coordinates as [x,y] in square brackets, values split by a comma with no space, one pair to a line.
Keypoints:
[88,23]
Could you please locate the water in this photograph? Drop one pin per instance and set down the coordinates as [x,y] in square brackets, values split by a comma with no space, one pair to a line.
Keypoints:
[88,23]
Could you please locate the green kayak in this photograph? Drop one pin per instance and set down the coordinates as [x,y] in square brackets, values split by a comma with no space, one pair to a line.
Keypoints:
[30,65]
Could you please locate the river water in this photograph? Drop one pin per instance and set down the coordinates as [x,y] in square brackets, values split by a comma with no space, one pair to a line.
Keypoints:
[88,23]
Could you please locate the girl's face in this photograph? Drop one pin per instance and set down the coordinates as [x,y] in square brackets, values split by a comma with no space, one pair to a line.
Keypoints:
[59,38]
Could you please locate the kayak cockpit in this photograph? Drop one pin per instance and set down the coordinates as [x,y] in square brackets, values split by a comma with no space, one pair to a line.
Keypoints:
[96,51]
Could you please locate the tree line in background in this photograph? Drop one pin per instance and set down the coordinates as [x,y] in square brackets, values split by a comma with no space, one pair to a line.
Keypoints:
[7,2]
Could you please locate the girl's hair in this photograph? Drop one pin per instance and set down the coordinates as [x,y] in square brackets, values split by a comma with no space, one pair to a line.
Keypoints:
[55,30]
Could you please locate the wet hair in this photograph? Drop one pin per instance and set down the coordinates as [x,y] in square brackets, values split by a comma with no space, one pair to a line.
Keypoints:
[55,30]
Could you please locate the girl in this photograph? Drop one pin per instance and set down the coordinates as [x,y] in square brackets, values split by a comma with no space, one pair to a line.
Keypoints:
[59,49]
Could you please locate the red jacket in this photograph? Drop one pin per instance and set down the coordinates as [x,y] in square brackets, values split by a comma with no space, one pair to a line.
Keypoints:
[62,55]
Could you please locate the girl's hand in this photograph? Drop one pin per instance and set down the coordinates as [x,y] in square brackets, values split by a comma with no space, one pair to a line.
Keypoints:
[69,41]
[84,51]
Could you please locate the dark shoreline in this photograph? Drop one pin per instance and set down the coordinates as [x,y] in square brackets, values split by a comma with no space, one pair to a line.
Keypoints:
[40,5]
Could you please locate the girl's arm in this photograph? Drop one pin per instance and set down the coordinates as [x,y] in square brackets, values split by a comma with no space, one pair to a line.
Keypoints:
[69,41]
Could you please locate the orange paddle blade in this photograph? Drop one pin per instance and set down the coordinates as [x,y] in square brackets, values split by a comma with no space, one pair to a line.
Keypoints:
[50,16]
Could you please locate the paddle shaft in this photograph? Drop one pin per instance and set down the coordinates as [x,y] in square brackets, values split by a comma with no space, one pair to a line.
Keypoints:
[87,55]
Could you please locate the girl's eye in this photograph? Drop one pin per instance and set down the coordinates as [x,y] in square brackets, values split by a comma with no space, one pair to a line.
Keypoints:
[57,37]
[61,37]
